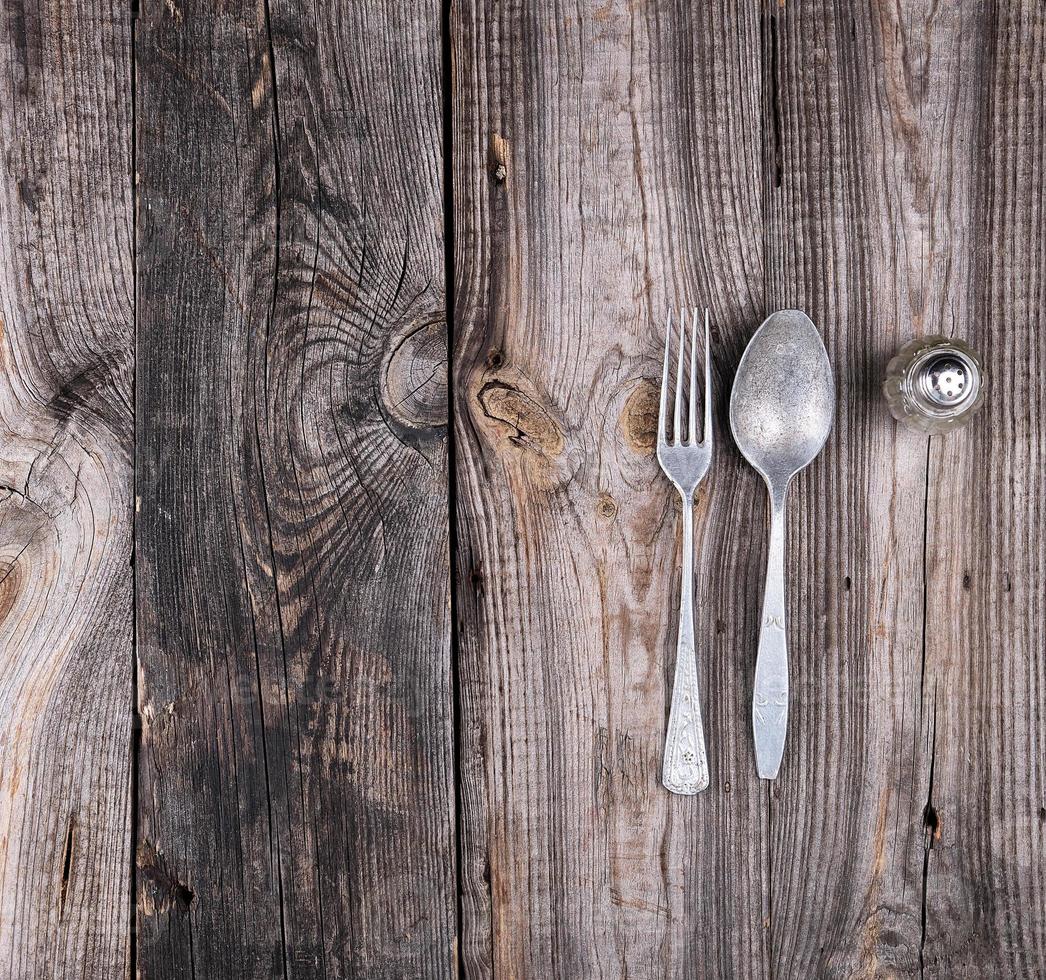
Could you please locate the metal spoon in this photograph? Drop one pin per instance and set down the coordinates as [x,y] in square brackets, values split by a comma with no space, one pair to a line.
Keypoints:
[781,411]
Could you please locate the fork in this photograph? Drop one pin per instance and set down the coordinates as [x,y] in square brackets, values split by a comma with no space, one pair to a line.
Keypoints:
[685,463]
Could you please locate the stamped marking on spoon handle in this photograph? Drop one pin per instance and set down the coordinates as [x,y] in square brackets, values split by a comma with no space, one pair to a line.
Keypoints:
[686,763]
[770,693]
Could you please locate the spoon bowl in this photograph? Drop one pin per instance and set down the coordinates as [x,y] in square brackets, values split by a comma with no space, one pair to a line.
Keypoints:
[781,411]
[783,400]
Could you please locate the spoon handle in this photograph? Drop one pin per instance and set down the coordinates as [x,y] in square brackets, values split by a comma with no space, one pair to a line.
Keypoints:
[770,695]
[686,763]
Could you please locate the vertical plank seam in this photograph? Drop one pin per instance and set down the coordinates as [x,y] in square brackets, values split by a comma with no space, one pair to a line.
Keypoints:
[775,107]
[925,563]
[447,100]
[928,808]
[277,202]
[136,720]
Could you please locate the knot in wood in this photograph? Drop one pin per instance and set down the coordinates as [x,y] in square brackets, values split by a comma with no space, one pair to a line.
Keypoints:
[415,378]
[639,417]
[527,423]
[159,887]
[498,158]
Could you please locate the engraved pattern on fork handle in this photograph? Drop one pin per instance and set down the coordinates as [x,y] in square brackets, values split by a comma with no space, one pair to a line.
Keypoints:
[686,762]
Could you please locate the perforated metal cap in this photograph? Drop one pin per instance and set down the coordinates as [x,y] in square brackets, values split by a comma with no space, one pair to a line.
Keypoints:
[947,381]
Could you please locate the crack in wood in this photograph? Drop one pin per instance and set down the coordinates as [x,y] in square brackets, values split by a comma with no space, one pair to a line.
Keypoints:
[931,822]
[67,865]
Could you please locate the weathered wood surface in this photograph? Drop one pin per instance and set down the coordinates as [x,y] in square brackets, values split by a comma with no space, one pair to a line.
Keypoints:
[913,841]
[599,178]
[223,347]
[865,226]
[905,835]
[66,433]
[983,739]
[295,774]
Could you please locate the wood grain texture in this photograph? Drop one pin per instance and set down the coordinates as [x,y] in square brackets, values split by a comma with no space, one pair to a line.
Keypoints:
[66,369]
[256,184]
[295,791]
[607,166]
[983,757]
[872,115]
[909,841]
[866,206]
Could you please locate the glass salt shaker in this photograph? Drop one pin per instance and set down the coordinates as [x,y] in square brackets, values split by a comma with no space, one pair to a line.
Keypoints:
[934,384]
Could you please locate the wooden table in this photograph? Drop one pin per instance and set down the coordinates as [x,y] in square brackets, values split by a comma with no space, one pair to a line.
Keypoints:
[315,665]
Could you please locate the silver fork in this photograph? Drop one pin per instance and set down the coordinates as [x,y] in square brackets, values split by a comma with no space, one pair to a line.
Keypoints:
[685,463]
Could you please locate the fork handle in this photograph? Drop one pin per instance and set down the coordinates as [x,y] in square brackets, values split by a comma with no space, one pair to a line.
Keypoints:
[686,763]
[770,691]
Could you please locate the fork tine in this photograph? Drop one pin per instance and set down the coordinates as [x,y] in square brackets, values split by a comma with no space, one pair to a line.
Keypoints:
[662,415]
[707,440]
[692,426]
[676,433]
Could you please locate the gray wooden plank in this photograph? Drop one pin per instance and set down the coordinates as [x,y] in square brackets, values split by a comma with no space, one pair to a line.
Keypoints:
[845,878]
[608,164]
[66,329]
[984,765]
[872,228]
[296,778]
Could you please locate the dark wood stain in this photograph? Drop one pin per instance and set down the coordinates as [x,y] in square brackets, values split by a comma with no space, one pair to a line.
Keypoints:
[295,793]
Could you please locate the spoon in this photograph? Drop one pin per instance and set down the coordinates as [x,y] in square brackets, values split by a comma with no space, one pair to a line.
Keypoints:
[781,410]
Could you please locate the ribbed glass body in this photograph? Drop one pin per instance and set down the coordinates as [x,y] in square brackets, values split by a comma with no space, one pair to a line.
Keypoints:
[934,384]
